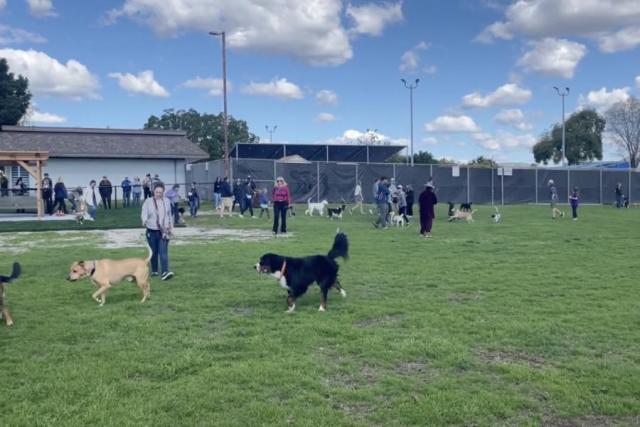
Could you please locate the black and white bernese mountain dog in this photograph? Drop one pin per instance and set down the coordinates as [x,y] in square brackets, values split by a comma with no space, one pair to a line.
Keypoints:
[7,279]
[297,274]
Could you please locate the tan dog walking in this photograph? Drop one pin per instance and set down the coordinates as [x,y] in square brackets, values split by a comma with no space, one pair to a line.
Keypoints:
[105,273]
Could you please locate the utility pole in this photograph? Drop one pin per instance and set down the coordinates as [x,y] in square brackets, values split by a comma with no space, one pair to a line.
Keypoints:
[563,94]
[411,87]
[224,90]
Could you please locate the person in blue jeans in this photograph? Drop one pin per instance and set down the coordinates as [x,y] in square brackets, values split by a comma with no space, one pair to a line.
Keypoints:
[126,192]
[157,218]
[194,199]
[382,200]
[574,201]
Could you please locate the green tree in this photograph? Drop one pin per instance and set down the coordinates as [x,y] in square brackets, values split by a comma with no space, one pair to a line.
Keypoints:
[583,136]
[14,95]
[424,158]
[205,130]
[483,162]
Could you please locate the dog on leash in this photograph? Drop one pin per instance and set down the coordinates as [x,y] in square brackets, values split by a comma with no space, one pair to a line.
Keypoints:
[7,279]
[315,207]
[297,274]
[399,220]
[336,212]
[105,273]
[496,216]
[463,216]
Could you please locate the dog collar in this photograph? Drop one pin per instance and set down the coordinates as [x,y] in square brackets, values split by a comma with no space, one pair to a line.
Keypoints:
[93,270]
[284,266]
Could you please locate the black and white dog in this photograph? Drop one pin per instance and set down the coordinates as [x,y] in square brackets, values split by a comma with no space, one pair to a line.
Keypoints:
[336,212]
[466,207]
[6,279]
[297,274]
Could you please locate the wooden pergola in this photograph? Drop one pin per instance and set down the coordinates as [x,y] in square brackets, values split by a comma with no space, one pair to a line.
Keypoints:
[32,162]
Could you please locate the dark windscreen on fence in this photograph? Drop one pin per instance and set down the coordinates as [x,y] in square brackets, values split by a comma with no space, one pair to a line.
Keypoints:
[336,181]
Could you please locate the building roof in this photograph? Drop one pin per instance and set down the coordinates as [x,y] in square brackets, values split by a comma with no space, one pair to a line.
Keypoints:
[317,152]
[100,143]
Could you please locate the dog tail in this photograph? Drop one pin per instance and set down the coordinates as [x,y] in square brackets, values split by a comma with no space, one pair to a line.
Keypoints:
[340,248]
[150,253]
[14,274]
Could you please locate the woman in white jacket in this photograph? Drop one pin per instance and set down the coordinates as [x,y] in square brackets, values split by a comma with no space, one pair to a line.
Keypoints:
[158,220]
[91,196]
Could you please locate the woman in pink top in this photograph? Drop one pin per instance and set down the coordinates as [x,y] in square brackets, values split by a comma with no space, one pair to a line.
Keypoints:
[281,202]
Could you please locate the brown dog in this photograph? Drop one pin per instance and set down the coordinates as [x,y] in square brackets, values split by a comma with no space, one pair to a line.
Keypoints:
[6,279]
[105,273]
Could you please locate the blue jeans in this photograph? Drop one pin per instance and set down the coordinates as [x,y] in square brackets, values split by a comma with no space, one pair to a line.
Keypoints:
[193,205]
[159,248]
[92,211]
[216,200]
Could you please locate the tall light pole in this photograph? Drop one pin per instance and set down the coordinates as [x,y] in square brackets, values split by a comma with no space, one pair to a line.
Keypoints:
[224,90]
[411,87]
[563,93]
[271,131]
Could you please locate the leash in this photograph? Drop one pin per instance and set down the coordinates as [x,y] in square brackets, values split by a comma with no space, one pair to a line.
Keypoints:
[93,270]
[284,266]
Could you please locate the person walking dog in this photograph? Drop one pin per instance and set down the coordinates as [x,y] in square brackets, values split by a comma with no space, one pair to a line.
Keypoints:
[157,218]
[427,202]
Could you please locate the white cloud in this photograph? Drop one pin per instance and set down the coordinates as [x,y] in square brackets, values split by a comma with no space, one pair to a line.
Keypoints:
[311,31]
[41,8]
[41,117]
[508,94]
[602,99]
[12,35]
[279,88]
[327,97]
[638,82]
[143,83]
[48,77]
[430,141]
[213,86]
[372,18]
[432,69]
[513,117]
[452,124]
[595,19]
[3,3]
[553,57]
[410,60]
[325,117]
[504,140]
[352,136]
[625,39]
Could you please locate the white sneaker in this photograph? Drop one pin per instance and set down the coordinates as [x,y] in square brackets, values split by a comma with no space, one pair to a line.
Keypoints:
[166,276]
[241,216]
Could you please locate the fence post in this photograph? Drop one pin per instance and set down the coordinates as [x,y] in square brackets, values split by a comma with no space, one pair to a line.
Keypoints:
[431,171]
[568,184]
[275,171]
[601,195]
[493,202]
[317,182]
[502,186]
[536,185]
[629,199]
[468,188]
[394,171]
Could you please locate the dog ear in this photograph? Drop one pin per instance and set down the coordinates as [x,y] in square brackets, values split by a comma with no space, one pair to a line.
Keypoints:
[81,263]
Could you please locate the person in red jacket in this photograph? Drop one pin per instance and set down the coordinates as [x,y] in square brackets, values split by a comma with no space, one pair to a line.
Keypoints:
[281,202]
[427,202]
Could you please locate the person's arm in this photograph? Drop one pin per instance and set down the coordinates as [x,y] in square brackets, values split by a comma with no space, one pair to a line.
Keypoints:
[145,212]
[289,200]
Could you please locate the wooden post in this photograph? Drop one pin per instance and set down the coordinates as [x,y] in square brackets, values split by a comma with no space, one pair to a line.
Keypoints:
[39,188]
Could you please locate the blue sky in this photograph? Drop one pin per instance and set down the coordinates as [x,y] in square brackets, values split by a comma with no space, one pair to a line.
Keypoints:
[327,70]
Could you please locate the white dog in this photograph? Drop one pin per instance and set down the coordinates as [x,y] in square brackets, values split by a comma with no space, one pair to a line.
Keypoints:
[496,216]
[319,207]
[398,220]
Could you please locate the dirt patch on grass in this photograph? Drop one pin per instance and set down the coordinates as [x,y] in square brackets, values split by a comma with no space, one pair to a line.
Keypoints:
[242,311]
[457,298]
[500,357]
[591,421]
[356,410]
[375,321]
[418,367]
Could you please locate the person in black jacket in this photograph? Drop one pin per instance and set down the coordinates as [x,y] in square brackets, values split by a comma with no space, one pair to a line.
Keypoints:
[60,192]
[226,196]
[4,185]
[238,195]
[105,189]
[410,200]
[216,192]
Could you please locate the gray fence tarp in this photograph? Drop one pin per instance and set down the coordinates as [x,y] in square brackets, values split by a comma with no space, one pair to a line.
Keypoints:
[336,182]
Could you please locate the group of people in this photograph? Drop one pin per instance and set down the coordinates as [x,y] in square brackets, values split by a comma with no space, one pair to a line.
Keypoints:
[399,200]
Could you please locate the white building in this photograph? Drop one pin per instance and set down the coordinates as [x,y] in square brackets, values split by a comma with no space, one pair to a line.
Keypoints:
[79,155]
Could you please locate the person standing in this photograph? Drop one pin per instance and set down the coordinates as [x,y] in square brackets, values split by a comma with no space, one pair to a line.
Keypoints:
[619,195]
[194,200]
[553,198]
[92,198]
[146,186]
[60,193]
[4,185]
[402,203]
[106,189]
[158,220]
[427,202]
[226,197]
[47,194]
[410,201]
[357,196]
[264,203]
[136,191]
[126,192]
[216,193]
[382,200]
[173,196]
[247,192]
[238,196]
[281,198]
[20,189]
[574,201]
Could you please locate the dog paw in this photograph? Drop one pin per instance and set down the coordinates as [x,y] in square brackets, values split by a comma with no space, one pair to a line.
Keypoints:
[10,323]
[343,293]
[321,309]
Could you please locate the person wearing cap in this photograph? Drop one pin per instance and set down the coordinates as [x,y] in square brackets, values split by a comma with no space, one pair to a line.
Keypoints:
[126,192]
[427,202]
[146,186]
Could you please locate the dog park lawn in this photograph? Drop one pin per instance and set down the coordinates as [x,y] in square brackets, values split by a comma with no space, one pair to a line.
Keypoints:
[527,322]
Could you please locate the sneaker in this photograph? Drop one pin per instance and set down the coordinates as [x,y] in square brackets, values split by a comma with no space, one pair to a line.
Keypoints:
[575,219]
[562,215]
[241,216]
[375,224]
[155,273]
[166,276]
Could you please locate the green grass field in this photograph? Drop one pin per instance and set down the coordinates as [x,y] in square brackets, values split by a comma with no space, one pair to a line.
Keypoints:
[528,322]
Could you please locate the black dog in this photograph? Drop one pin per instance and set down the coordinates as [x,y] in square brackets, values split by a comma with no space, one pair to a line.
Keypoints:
[4,279]
[452,209]
[465,207]
[297,274]
[336,212]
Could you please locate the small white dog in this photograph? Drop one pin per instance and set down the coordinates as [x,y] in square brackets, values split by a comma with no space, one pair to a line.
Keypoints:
[315,207]
[496,216]
[398,220]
